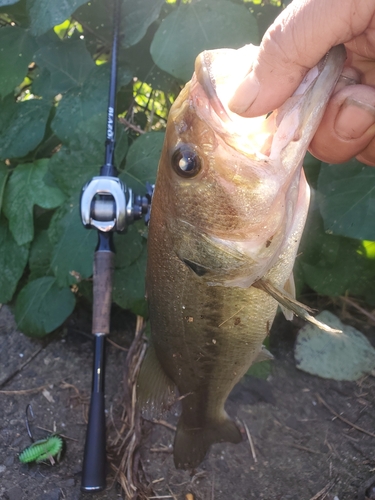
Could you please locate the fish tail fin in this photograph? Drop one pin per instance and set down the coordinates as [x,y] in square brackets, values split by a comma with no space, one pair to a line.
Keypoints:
[156,392]
[192,445]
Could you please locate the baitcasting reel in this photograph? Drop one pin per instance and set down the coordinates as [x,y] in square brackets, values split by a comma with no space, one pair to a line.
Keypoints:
[107,204]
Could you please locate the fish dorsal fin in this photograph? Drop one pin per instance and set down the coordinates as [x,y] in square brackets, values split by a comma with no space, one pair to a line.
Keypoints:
[156,392]
[288,302]
[263,355]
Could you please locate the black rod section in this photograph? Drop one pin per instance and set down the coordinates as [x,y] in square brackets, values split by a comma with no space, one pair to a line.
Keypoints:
[108,167]
[94,459]
[94,462]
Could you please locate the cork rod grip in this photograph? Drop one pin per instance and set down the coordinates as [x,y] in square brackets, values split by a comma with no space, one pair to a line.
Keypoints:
[104,263]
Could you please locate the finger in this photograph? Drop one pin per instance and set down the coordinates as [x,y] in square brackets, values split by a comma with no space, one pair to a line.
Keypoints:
[348,125]
[367,156]
[297,40]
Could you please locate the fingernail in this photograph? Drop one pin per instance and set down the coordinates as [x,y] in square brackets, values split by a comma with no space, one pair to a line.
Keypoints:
[245,94]
[349,76]
[354,119]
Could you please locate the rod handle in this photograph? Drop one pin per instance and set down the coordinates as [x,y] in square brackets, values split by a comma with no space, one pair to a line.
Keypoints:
[94,458]
[104,264]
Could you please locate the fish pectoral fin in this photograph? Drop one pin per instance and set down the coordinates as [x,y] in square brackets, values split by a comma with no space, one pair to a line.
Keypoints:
[290,289]
[156,392]
[192,445]
[263,355]
[288,302]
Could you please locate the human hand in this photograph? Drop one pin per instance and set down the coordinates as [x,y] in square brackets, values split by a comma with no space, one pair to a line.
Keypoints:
[297,40]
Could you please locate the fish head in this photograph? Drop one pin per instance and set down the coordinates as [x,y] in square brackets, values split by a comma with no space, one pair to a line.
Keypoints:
[232,184]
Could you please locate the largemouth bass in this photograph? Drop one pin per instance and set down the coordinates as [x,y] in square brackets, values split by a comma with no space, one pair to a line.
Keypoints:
[228,211]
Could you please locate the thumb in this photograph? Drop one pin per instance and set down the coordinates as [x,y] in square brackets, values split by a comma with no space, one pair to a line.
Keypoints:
[296,41]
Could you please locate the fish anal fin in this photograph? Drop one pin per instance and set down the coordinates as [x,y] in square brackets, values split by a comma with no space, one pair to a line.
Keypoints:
[288,302]
[156,392]
[192,445]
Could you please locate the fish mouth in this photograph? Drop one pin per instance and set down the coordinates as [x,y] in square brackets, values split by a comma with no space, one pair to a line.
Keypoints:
[218,73]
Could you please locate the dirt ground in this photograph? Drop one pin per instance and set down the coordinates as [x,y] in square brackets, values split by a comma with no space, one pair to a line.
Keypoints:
[301,449]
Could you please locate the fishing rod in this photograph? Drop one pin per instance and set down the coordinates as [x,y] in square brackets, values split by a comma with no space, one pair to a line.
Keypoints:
[107,205]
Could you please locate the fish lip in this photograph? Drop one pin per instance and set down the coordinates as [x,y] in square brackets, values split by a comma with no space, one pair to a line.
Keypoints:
[205,77]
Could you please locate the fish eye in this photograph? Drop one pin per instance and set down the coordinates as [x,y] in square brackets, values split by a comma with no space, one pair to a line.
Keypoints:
[185,161]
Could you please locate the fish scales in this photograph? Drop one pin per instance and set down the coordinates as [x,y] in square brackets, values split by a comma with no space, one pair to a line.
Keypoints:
[228,211]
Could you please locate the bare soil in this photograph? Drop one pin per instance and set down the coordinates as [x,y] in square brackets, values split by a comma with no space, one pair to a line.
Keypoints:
[304,446]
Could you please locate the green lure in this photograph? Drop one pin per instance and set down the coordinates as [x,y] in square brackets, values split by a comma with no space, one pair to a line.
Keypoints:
[42,450]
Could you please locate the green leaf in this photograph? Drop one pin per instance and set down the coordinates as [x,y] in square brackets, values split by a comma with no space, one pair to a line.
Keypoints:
[73,245]
[25,189]
[25,121]
[45,14]
[129,285]
[16,10]
[87,103]
[41,84]
[13,260]
[338,356]
[194,27]
[311,166]
[333,265]
[4,174]
[40,256]
[42,306]
[347,199]
[96,16]
[74,165]
[129,245]
[122,145]
[137,15]
[142,161]
[68,62]
[17,46]
[139,58]
[260,370]
[89,117]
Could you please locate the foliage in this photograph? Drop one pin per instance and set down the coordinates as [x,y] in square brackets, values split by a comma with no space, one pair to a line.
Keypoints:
[54,75]
[54,71]
[336,257]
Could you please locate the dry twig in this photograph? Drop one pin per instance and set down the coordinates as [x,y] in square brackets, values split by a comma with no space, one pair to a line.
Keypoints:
[24,391]
[16,372]
[164,424]
[128,124]
[252,448]
[53,432]
[343,419]
[129,473]
[117,345]
[162,449]
[304,448]
[322,494]
[358,307]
